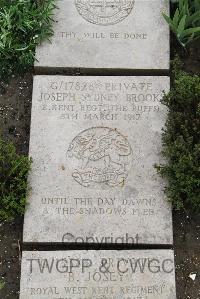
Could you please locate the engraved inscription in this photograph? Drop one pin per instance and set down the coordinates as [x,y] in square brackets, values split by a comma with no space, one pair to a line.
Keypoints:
[100,155]
[98,275]
[104,12]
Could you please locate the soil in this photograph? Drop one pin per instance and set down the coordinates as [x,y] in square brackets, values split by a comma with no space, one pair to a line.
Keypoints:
[15,111]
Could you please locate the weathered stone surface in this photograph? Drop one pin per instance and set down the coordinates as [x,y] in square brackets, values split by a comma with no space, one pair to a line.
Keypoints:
[98,275]
[117,34]
[94,142]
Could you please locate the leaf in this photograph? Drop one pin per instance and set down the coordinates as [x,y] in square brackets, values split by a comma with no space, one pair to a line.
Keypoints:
[181,25]
[190,31]
[22,49]
[197,4]
[170,22]
[2,284]
[193,18]
[176,18]
[181,4]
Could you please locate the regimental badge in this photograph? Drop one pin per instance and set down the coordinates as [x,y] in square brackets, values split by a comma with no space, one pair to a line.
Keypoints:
[104,12]
[99,156]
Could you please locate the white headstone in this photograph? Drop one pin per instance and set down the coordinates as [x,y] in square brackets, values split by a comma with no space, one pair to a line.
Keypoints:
[109,35]
[94,142]
[143,274]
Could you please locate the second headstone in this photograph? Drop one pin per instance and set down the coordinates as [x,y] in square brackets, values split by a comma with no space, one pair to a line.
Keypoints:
[107,35]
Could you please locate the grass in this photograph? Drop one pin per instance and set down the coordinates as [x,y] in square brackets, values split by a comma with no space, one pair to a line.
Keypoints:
[14,169]
[24,24]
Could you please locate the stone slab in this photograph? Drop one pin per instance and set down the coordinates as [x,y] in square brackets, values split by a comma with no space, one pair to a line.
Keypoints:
[94,142]
[140,274]
[108,35]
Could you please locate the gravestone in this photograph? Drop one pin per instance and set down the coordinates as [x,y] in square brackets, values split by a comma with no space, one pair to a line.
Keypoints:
[143,274]
[108,35]
[94,142]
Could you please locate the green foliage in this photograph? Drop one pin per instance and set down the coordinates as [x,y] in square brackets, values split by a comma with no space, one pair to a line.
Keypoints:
[2,284]
[186,21]
[181,142]
[14,170]
[24,24]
